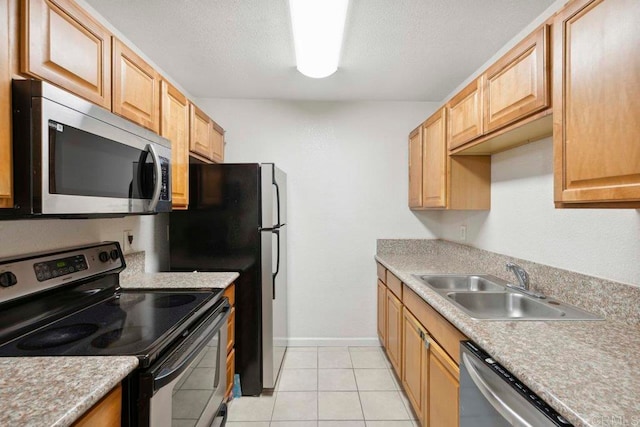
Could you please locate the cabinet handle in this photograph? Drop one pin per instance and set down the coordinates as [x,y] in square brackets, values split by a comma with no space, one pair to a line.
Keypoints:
[426,342]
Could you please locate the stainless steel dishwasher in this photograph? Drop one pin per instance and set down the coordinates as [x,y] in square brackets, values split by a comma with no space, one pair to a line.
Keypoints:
[491,396]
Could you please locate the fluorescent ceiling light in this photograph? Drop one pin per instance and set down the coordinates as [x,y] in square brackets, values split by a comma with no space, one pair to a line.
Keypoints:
[318,28]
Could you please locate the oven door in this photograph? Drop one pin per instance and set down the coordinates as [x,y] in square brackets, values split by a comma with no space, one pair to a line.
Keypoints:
[189,383]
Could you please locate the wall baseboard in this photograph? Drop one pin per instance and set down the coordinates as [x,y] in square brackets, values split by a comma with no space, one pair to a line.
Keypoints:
[333,342]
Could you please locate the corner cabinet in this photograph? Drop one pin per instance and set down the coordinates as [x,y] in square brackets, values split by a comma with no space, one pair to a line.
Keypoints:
[174,110]
[64,45]
[596,100]
[6,163]
[136,88]
[438,180]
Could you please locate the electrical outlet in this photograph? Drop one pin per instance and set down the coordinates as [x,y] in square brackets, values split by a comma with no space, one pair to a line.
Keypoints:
[463,233]
[127,241]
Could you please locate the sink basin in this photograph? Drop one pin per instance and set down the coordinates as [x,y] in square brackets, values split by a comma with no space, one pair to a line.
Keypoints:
[458,282]
[483,296]
[515,306]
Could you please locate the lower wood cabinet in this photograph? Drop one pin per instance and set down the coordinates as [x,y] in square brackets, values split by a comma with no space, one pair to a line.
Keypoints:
[423,348]
[382,313]
[230,293]
[415,363]
[6,175]
[443,389]
[394,331]
[107,412]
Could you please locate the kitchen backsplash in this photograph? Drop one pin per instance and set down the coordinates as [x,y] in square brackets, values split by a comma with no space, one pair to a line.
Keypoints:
[613,300]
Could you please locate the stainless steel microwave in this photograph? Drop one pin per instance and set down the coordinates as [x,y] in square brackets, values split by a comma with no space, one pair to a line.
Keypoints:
[72,158]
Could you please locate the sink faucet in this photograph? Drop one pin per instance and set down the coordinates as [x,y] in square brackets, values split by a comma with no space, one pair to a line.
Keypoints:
[521,274]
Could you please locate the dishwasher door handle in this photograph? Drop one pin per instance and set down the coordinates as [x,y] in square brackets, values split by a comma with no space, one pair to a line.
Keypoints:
[494,397]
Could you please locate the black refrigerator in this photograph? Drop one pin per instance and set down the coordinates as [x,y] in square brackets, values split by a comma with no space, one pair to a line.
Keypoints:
[236,221]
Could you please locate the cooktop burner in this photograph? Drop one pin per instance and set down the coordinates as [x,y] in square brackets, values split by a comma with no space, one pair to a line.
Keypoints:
[121,337]
[167,301]
[54,337]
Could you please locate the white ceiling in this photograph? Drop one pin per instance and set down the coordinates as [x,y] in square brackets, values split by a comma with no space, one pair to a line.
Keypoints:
[404,50]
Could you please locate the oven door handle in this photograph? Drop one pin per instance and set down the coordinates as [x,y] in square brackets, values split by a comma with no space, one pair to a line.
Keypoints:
[157,167]
[179,360]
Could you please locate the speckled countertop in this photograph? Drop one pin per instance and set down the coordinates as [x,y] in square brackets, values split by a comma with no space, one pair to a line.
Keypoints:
[586,370]
[134,277]
[56,391]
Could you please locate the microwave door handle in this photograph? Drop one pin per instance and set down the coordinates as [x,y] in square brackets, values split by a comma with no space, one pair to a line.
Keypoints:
[158,177]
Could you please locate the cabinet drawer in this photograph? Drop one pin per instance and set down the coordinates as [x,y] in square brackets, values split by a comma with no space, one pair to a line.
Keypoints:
[104,413]
[230,293]
[447,335]
[382,273]
[394,284]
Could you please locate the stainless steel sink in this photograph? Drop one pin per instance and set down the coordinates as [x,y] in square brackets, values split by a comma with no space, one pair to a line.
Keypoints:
[457,282]
[504,305]
[488,297]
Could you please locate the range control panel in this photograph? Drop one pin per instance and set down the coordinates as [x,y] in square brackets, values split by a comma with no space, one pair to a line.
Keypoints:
[27,274]
[59,267]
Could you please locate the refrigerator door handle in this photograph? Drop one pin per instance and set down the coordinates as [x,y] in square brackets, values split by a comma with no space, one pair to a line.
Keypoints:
[275,183]
[277,233]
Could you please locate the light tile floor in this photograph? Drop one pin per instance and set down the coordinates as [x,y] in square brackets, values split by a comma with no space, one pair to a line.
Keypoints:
[328,387]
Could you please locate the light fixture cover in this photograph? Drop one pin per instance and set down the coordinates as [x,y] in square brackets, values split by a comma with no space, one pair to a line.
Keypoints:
[318,28]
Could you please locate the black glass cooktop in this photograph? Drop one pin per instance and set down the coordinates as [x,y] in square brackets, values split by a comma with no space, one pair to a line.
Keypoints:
[138,323]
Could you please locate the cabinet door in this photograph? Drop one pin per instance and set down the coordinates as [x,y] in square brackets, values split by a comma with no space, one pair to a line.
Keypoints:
[444,377]
[394,331]
[136,88]
[516,86]
[107,412]
[382,313]
[62,44]
[415,168]
[200,133]
[414,369]
[434,157]
[6,164]
[596,103]
[217,143]
[175,127]
[464,113]
[231,369]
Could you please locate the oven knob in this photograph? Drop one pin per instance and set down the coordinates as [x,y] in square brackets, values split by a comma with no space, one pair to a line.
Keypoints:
[114,254]
[7,279]
[104,256]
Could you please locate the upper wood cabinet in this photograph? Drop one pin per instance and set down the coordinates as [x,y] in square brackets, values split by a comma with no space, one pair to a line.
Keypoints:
[446,182]
[206,138]
[217,143]
[174,108]
[517,84]
[415,168]
[136,88]
[596,101]
[465,115]
[434,161]
[200,133]
[6,164]
[64,45]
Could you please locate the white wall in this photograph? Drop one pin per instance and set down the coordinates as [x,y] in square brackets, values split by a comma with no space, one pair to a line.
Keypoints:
[523,222]
[347,186]
[25,236]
